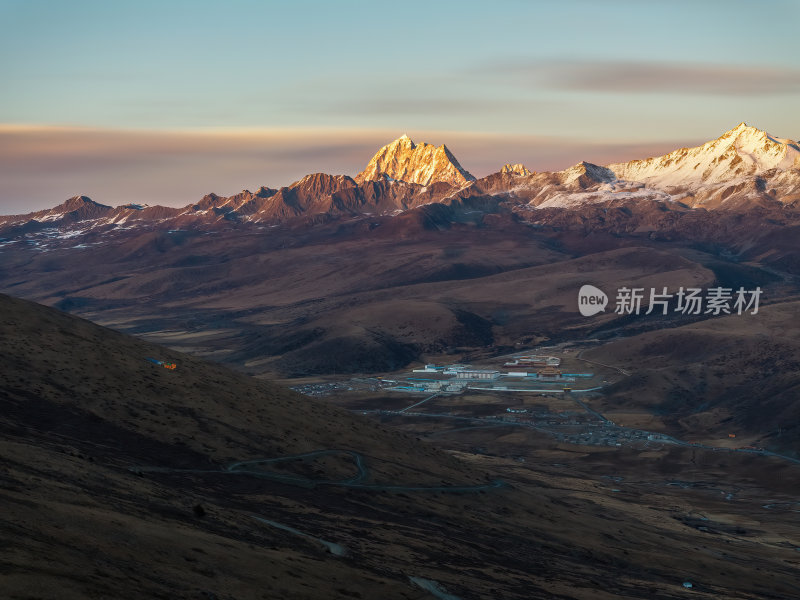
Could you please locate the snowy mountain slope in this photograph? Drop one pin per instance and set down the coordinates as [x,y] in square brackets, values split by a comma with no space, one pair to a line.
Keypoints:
[743,167]
[742,152]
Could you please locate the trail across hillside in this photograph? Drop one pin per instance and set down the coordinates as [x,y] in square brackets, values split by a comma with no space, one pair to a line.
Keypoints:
[243,468]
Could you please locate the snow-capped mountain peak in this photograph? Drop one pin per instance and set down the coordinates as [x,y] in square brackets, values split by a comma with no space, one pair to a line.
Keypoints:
[585,172]
[424,164]
[743,151]
[516,169]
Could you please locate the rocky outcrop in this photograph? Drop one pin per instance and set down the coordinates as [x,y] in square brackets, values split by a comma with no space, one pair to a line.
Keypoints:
[403,160]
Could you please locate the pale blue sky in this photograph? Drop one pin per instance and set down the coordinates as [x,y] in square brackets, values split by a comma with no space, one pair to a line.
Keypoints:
[612,72]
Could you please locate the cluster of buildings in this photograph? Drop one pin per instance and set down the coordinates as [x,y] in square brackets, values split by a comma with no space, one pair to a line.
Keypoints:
[534,361]
[546,365]
[461,372]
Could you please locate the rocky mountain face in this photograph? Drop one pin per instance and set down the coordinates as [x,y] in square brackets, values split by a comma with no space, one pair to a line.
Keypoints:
[744,169]
[516,169]
[77,208]
[403,160]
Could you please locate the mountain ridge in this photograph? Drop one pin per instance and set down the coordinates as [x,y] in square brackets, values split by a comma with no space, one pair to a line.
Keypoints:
[745,167]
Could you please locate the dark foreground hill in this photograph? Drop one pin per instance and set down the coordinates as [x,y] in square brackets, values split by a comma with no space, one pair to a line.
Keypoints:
[122,479]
